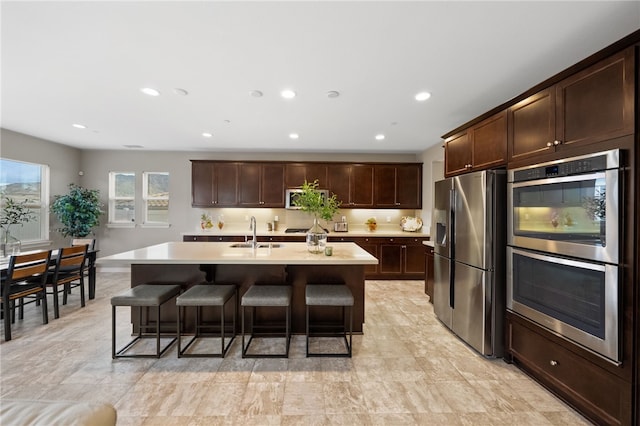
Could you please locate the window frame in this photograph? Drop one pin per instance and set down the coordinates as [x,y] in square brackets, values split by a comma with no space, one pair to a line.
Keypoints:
[146,198]
[43,205]
[112,222]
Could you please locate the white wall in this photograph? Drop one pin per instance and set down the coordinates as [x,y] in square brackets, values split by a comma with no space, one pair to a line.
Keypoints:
[433,170]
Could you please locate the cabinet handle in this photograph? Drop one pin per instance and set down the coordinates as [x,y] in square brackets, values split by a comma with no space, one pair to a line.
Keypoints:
[556,142]
[553,362]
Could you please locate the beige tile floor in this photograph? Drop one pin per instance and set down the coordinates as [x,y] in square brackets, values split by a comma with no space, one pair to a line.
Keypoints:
[406,369]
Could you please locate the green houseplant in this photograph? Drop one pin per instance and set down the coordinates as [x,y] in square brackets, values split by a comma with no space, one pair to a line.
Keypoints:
[312,201]
[13,213]
[78,211]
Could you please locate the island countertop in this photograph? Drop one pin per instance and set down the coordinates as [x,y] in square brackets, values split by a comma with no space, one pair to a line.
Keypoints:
[222,253]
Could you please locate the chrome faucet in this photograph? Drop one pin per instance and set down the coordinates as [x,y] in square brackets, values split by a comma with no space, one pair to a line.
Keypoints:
[252,227]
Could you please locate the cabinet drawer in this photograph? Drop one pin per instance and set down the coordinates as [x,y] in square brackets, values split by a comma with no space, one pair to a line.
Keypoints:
[597,393]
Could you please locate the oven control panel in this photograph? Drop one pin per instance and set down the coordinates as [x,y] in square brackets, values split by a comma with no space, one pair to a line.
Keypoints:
[562,168]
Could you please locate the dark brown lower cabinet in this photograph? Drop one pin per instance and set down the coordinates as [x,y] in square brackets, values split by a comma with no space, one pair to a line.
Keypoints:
[428,274]
[598,394]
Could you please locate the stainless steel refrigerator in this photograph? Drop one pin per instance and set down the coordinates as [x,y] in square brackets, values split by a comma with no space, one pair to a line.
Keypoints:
[469,265]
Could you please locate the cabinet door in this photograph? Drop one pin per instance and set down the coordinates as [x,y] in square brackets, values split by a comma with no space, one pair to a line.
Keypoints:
[272,185]
[457,154]
[225,181]
[202,184]
[532,125]
[315,171]
[390,260]
[295,175]
[249,184]
[489,141]
[414,262]
[385,187]
[370,245]
[409,186]
[361,185]
[597,103]
[339,177]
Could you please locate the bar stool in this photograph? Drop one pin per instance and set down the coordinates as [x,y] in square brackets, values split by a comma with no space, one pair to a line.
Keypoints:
[266,296]
[207,295]
[144,295]
[330,295]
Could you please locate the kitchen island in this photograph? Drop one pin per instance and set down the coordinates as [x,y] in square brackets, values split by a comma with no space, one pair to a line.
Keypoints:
[191,263]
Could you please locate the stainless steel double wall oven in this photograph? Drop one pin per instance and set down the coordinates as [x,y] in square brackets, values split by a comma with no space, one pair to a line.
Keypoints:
[563,254]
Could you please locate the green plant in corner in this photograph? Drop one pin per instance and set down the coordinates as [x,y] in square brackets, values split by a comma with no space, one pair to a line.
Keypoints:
[78,211]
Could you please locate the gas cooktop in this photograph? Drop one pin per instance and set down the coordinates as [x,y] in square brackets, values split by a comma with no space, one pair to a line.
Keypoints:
[295,230]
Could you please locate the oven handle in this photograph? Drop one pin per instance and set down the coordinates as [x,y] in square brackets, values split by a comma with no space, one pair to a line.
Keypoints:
[561,261]
[552,180]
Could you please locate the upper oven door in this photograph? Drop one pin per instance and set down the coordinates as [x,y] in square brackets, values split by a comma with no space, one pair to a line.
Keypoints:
[575,216]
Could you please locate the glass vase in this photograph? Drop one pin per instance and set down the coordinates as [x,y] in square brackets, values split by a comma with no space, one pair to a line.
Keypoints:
[10,245]
[316,238]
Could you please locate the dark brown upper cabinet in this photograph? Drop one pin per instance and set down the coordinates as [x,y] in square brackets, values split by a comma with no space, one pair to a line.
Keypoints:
[352,184]
[398,186]
[297,173]
[593,105]
[261,185]
[214,184]
[479,147]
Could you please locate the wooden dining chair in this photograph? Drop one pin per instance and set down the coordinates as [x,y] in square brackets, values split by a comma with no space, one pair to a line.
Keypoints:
[26,276]
[91,242]
[68,273]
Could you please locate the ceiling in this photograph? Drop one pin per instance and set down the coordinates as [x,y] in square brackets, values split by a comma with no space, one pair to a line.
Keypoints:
[85,63]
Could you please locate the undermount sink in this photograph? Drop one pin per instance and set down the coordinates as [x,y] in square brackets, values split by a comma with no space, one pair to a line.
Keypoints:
[260,245]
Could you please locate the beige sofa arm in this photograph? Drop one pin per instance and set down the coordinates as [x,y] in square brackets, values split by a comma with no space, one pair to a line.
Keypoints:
[48,413]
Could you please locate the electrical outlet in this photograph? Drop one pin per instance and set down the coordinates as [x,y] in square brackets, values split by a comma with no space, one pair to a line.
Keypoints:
[246,218]
[388,218]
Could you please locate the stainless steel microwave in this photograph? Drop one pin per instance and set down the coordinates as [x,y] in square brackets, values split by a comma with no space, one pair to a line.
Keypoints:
[293,193]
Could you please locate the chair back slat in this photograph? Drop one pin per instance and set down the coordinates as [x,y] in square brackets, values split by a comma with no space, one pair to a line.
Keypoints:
[70,257]
[25,265]
[91,242]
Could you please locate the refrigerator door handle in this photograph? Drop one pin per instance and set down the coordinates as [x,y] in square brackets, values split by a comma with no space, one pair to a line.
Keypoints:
[452,244]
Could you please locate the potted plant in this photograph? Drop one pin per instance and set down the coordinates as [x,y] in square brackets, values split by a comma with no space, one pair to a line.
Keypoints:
[78,211]
[372,224]
[312,201]
[13,213]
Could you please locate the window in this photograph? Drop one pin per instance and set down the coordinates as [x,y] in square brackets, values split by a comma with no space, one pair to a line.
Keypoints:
[27,181]
[122,197]
[155,194]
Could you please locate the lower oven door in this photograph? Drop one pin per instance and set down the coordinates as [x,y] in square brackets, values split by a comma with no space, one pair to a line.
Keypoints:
[577,300]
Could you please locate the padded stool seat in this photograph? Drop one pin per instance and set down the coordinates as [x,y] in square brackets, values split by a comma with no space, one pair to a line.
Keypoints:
[267,296]
[330,295]
[207,295]
[144,295]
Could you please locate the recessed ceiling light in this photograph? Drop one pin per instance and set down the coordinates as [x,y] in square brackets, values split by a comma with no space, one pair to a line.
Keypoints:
[79,126]
[180,92]
[288,94]
[256,93]
[294,135]
[149,91]
[207,134]
[333,94]
[423,96]
[380,137]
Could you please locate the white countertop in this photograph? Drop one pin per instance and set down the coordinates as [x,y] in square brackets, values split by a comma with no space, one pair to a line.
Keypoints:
[223,253]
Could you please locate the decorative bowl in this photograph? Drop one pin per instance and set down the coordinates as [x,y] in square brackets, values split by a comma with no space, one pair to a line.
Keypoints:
[410,224]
